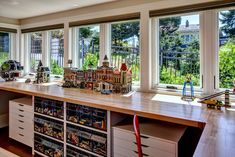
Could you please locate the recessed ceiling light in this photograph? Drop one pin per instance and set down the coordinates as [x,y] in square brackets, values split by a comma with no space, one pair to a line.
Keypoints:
[75,5]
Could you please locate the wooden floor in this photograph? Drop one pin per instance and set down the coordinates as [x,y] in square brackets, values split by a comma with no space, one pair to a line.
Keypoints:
[14,146]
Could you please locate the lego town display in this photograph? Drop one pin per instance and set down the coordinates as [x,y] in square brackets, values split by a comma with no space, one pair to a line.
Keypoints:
[104,79]
[10,70]
[190,96]
[43,74]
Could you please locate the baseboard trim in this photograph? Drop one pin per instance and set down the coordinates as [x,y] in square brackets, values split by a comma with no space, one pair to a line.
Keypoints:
[4,120]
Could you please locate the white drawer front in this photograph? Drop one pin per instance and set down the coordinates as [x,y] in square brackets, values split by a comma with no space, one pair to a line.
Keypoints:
[133,153]
[17,106]
[131,146]
[20,118]
[22,136]
[152,142]
[25,116]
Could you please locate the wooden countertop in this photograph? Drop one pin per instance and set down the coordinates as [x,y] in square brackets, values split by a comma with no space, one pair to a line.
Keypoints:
[218,137]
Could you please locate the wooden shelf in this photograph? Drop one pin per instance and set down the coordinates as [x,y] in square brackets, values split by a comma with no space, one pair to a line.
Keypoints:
[84,150]
[44,115]
[52,138]
[86,127]
[39,153]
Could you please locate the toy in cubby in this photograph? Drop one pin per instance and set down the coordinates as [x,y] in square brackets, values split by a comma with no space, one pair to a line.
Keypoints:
[49,127]
[72,152]
[88,116]
[87,139]
[49,107]
[47,146]
[99,119]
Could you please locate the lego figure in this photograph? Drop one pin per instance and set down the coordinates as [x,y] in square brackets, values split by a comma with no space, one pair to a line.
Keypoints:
[43,74]
[189,82]
[104,79]
[10,70]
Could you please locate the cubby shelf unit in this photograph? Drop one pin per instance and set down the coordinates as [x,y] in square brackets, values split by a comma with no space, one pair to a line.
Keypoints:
[106,131]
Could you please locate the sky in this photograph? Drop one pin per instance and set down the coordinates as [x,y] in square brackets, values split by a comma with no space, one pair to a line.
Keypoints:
[193,19]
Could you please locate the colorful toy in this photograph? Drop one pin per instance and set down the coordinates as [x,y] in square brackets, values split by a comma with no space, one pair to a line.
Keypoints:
[212,103]
[43,74]
[189,97]
[104,79]
[10,70]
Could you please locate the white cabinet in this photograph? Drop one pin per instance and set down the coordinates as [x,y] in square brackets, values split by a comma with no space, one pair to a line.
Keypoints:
[158,139]
[21,120]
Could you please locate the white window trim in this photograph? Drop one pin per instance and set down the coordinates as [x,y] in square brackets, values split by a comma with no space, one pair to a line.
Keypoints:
[156,86]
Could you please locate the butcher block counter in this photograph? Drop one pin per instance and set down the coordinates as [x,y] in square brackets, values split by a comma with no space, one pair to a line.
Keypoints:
[218,136]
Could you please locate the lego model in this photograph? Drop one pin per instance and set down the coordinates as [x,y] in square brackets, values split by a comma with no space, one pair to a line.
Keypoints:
[10,70]
[189,97]
[104,79]
[43,74]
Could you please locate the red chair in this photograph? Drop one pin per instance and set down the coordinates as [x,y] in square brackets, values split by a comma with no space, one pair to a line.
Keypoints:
[137,135]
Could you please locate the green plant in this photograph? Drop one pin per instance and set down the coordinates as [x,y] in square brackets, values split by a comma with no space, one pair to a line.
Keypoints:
[55,68]
[90,61]
[4,56]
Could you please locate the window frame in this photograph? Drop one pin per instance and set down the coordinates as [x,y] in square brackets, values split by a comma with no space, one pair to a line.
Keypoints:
[216,54]
[155,55]
[136,84]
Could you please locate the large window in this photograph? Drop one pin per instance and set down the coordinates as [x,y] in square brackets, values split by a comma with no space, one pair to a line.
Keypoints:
[178,49]
[4,47]
[88,46]
[35,44]
[226,48]
[56,44]
[125,46]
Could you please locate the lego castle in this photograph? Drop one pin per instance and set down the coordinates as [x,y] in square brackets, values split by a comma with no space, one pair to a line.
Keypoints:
[104,79]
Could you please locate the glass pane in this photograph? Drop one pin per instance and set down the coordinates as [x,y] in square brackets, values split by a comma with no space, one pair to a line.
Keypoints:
[179,49]
[226,48]
[4,47]
[35,50]
[125,47]
[57,52]
[89,39]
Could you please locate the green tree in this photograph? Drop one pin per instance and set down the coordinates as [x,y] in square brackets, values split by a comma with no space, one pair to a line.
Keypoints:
[228,21]
[122,31]
[227,64]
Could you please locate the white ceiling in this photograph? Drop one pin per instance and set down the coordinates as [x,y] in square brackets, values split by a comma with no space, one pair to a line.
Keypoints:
[20,9]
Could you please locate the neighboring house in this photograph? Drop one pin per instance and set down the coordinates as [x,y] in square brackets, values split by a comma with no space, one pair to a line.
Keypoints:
[189,32]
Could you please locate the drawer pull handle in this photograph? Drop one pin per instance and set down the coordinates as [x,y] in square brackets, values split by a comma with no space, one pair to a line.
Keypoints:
[21,128]
[21,121]
[143,153]
[142,136]
[21,134]
[21,110]
[21,105]
[21,115]
[142,145]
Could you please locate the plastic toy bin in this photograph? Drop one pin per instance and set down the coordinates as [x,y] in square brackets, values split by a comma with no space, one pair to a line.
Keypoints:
[49,127]
[87,139]
[72,152]
[49,107]
[47,146]
[87,116]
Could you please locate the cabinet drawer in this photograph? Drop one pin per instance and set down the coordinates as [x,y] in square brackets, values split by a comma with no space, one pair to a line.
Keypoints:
[22,136]
[20,118]
[131,146]
[120,151]
[15,123]
[149,141]
[13,106]
[23,115]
